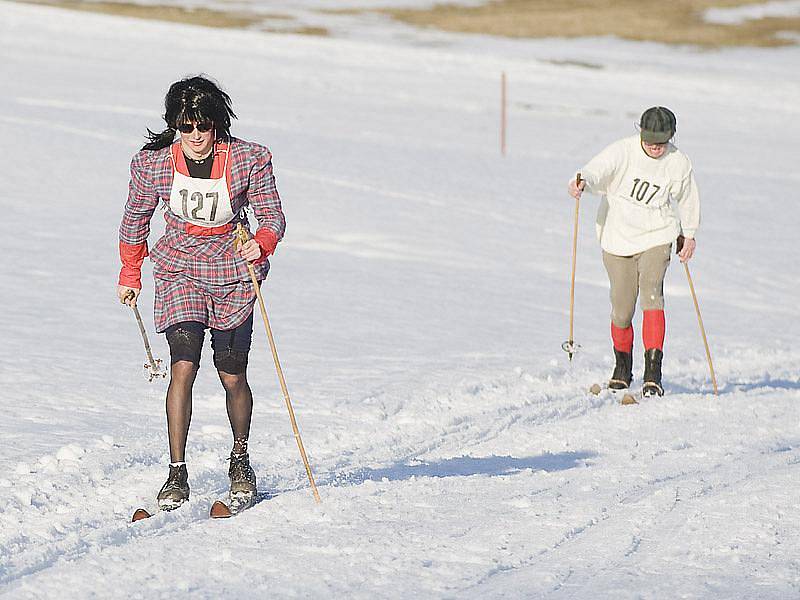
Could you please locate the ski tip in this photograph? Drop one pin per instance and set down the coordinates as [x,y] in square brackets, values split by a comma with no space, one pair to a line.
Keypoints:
[219,510]
[140,514]
[628,399]
[595,389]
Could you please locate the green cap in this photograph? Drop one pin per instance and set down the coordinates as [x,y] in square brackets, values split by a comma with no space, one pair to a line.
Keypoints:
[657,125]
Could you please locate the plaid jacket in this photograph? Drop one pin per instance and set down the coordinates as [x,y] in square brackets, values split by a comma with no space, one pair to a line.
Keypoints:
[199,275]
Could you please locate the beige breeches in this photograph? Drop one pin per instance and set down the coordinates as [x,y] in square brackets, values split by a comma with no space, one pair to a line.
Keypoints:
[630,276]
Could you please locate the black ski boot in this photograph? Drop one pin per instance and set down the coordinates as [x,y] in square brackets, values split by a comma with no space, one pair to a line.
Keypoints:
[652,373]
[242,476]
[176,489]
[622,376]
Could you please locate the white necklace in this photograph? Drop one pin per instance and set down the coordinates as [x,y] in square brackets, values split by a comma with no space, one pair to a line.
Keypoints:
[197,160]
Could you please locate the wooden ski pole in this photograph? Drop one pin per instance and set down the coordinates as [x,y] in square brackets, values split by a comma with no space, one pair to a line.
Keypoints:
[702,329]
[569,345]
[154,366]
[243,237]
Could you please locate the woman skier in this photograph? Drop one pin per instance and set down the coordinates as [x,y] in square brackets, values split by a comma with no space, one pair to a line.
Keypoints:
[204,180]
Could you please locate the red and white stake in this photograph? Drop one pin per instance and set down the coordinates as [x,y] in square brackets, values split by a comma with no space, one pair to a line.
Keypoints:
[503,113]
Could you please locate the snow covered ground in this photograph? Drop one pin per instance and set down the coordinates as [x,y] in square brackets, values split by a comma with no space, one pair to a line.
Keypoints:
[419,302]
[763,10]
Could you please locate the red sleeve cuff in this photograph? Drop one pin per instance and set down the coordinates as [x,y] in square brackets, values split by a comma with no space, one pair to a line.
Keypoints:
[132,257]
[131,278]
[268,241]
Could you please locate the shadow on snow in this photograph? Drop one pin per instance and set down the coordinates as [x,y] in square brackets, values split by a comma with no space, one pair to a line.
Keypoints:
[732,387]
[465,466]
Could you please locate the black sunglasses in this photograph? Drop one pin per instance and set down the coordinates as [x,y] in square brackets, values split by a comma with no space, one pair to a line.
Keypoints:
[201,127]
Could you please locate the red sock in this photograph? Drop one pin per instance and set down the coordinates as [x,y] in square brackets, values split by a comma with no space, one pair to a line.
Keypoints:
[653,329]
[622,338]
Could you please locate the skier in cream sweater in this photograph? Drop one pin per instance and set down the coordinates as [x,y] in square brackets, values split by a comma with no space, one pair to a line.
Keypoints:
[650,201]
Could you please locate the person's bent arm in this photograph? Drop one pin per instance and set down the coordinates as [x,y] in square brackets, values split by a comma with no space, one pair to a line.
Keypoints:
[263,197]
[598,173]
[688,201]
[135,226]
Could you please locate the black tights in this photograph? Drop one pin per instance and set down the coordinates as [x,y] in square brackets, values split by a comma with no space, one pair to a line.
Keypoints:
[239,402]
[238,399]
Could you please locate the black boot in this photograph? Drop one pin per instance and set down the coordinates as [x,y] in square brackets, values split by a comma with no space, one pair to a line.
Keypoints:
[652,373]
[621,378]
[176,489]
[243,479]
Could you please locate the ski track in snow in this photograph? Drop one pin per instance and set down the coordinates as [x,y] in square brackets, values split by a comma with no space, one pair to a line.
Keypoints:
[419,303]
[76,529]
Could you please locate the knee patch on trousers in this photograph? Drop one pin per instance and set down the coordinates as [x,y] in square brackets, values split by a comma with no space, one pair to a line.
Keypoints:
[184,345]
[229,361]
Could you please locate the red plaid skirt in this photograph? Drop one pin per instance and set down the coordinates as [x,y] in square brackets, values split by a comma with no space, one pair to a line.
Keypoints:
[201,279]
[219,307]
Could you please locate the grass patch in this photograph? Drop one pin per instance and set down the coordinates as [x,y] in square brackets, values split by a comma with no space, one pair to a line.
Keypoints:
[308,30]
[206,17]
[666,21]
[201,16]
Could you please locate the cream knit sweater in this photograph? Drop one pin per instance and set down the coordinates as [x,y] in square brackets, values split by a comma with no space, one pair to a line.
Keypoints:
[646,202]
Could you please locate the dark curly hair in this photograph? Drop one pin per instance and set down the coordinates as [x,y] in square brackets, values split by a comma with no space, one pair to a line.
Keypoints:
[192,99]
